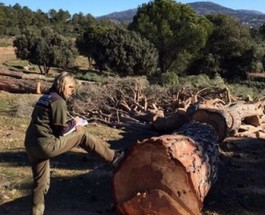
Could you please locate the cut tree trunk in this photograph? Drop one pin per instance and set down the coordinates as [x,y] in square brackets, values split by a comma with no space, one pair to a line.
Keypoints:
[242,118]
[168,175]
[21,75]
[248,113]
[14,85]
[18,82]
[217,118]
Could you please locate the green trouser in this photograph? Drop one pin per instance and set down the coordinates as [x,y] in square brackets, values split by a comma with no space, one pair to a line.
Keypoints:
[39,156]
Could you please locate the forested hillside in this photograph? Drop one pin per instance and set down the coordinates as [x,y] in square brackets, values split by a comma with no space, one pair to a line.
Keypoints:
[250,18]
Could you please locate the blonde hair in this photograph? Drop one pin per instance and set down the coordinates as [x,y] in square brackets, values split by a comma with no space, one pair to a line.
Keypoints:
[61,81]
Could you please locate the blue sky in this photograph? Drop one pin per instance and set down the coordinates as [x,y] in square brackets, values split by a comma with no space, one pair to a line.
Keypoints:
[103,7]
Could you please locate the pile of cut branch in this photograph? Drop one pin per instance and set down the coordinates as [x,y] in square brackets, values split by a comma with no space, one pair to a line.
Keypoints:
[133,102]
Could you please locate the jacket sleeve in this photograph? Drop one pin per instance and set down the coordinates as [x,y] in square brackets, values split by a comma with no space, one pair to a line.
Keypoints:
[60,124]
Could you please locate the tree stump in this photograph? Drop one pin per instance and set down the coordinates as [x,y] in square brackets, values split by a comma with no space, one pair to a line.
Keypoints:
[168,175]
[38,87]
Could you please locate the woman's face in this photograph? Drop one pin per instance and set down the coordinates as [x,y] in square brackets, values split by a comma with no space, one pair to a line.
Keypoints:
[69,90]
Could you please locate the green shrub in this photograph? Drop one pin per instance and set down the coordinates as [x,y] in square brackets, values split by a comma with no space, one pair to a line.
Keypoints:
[245,92]
[202,81]
[90,76]
[169,79]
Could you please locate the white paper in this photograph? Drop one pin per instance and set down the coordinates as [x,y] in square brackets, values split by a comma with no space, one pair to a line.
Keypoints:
[82,122]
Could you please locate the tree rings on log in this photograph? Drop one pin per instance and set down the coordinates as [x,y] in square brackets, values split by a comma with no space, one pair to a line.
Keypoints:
[214,117]
[165,175]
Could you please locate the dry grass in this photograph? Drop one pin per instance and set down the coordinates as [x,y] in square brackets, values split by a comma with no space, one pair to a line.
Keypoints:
[82,62]
[7,54]
[15,178]
[7,51]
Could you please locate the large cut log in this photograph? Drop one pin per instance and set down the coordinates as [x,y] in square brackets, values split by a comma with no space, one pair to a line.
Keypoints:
[169,174]
[217,118]
[242,118]
[242,112]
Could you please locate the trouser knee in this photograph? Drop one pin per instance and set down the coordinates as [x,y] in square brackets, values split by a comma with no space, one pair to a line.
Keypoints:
[89,142]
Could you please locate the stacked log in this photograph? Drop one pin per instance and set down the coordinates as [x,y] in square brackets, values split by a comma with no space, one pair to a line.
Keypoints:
[18,82]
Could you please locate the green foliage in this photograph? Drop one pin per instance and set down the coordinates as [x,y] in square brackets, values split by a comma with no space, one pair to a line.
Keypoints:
[259,56]
[118,50]
[169,79]
[259,85]
[261,31]
[246,92]
[45,48]
[176,40]
[88,41]
[13,20]
[201,81]
[173,28]
[80,22]
[90,76]
[229,50]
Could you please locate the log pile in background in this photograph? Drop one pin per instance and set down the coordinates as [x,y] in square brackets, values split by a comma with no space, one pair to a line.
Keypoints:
[18,82]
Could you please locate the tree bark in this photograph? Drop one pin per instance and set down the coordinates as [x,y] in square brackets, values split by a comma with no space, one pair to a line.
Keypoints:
[21,86]
[244,113]
[242,118]
[21,75]
[170,174]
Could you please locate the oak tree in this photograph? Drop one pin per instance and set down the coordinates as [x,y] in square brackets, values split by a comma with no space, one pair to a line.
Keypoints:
[45,48]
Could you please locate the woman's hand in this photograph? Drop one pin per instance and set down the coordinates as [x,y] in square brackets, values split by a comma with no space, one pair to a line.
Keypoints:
[77,120]
[78,128]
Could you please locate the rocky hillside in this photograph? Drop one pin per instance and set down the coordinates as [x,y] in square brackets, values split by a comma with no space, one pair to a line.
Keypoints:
[251,18]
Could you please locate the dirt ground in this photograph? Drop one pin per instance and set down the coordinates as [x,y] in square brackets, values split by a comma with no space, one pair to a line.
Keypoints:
[240,188]
[81,184]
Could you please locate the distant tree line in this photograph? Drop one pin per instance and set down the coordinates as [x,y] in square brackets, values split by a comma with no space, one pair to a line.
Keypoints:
[164,39]
[14,19]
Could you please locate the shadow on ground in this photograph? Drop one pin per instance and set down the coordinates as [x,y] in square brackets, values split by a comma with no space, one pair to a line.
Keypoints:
[240,188]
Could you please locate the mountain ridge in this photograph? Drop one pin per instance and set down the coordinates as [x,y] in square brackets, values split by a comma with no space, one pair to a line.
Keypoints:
[250,18]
